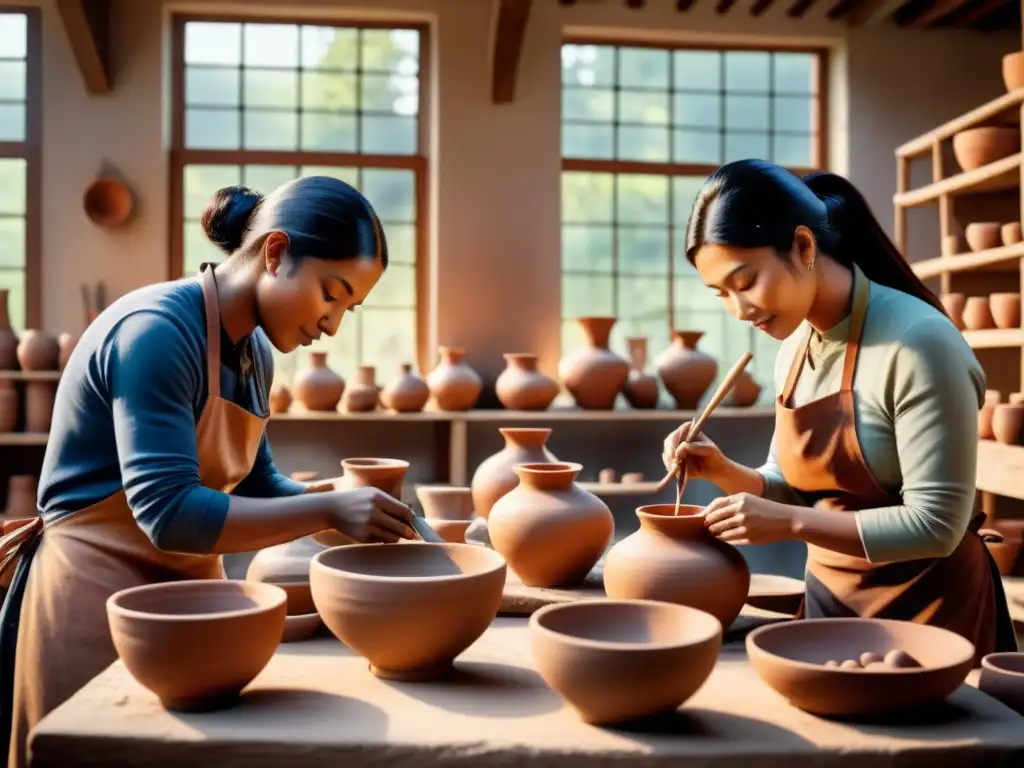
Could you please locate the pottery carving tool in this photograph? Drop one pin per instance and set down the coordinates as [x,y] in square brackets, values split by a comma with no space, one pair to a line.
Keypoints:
[426,530]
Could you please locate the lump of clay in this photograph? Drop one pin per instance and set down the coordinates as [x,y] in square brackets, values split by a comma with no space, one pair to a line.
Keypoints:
[901,660]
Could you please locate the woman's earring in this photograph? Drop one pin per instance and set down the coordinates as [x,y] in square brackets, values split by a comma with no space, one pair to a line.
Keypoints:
[810,266]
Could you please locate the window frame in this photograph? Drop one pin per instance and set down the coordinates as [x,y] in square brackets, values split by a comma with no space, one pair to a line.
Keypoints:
[30,150]
[182,156]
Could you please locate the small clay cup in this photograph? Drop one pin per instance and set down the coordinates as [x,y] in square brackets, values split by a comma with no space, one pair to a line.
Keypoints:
[1007,422]
[954,303]
[978,314]
[983,235]
[1002,678]
[445,502]
[1005,309]
[1011,233]
[976,147]
[615,661]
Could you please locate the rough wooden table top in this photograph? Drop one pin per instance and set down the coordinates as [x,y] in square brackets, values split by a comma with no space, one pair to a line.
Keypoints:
[316,704]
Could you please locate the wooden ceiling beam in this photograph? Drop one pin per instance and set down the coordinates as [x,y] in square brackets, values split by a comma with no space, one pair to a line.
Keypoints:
[799,8]
[980,11]
[760,6]
[508,31]
[87,24]
[937,10]
[872,12]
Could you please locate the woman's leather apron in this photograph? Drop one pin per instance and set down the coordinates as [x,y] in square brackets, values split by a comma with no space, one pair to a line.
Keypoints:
[821,458]
[68,569]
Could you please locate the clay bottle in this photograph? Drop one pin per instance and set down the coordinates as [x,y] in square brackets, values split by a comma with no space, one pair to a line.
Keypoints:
[521,387]
[549,530]
[316,386]
[8,339]
[364,392]
[454,385]
[641,389]
[496,475]
[594,375]
[674,559]
[407,393]
[685,371]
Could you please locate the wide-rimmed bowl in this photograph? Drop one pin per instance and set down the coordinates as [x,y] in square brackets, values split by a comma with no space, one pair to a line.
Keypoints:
[410,609]
[791,658]
[619,660]
[1002,678]
[197,644]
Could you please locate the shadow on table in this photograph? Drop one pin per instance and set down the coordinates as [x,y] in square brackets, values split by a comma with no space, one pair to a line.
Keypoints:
[706,725]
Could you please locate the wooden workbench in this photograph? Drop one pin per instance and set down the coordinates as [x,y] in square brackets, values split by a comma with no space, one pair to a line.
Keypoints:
[316,704]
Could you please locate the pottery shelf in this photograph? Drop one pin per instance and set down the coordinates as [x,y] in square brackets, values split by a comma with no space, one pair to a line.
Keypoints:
[1003,259]
[1001,175]
[30,375]
[995,338]
[977,116]
[501,415]
[23,438]
[1000,469]
[621,489]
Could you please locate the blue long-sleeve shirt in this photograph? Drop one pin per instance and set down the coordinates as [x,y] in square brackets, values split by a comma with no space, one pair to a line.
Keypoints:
[126,412]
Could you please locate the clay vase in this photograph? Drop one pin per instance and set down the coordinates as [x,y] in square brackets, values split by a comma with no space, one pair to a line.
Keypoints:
[745,392]
[496,475]
[641,390]
[454,385]
[1005,309]
[977,314]
[992,398]
[280,399]
[983,235]
[38,351]
[316,386]
[8,339]
[685,371]
[976,147]
[22,491]
[954,303]
[445,502]
[521,387]
[1007,422]
[407,393]
[674,559]
[364,393]
[66,343]
[594,375]
[39,398]
[8,406]
[550,531]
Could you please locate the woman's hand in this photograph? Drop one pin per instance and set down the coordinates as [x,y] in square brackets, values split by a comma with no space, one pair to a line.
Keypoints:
[701,457]
[744,518]
[370,515]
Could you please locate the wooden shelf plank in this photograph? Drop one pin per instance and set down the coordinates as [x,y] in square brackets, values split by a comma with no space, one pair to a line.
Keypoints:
[1000,175]
[30,375]
[23,438]
[1000,468]
[994,108]
[995,338]
[621,489]
[554,414]
[1005,258]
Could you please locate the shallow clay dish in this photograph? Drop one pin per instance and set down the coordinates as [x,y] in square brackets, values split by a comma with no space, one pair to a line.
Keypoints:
[1002,678]
[772,592]
[408,608]
[301,627]
[197,644]
[619,660]
[790,658]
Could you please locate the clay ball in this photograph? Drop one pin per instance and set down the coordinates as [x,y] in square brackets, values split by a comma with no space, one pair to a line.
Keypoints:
[901,660]
[869,658]
[832,663]
[850,664]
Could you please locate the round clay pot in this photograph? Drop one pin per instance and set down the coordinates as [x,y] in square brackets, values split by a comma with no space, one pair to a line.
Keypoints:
[8,339]
[549,530]
[364,393]
[685,371]
[976,147]
[594,375]
[790,658]
[316,386]
[1005,309]
[445,502]
[992,398]
[66,343]
[1013,71]
[745,392]
[1010,233]
[496,475]
[280,399]
[197,644]
[1002,678]
[407,393]
[284,563]
[978,314]
[454,385]
[38,351]
[108,203]
[673,558]
[954,303]
[299,599]
[410,609]
[9,404]
[983,235]
[1007,422]
[39,399]
[607,476]
[521,387]
[453,531]
[641,390]
[631,478]
[616,661]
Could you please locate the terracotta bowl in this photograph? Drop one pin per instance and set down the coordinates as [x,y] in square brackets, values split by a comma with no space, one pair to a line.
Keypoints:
[301,627]
[451,530]
[620,660]
[108,203]
[300,597]
[445,502]
[1006,309]
[772,592]
[1013,70]
[983,235]
[791,657]
[408,608]
[976,147]
[197,644]
[1002,678]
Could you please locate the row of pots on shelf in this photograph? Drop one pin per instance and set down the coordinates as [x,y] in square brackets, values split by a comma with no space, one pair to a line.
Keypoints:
[977,313]
[984,235]
[1003,422]
[594,376]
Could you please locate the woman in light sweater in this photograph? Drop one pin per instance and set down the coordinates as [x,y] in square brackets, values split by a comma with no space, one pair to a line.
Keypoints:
[873,459]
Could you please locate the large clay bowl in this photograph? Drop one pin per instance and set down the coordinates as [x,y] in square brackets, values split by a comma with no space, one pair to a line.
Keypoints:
[408,608]
[976,147]
[790,658]
[983,235]
[1002,678]
[620,660]
[197,644]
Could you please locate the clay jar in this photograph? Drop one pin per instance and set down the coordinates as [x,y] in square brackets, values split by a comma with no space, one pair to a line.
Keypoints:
[641,389]
[496,475]
[38,351]
[549,530]
[954,303]
[745,392]
[594,375]
[992,398]
[521,387]
[8,340]
[685,371]
[674,559]
[318,387]
[1005,309]
[1007,421]
[454,385]
[364,392]
[407,393]
[977,315]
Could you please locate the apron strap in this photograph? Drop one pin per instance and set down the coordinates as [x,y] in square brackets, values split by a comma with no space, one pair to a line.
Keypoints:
[861,289]
[796,367]
[212,306]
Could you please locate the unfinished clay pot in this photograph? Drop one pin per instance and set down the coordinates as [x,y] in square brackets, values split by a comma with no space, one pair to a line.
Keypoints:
[673,558]
[1005,309]
[1010,233]
[197,644]
[364,393]
[594,375]
[983,235]
[66,343]
[616,661]
[521,387]
[978,314]
[746,391]
[454,385]
[8,339]
[280,399]
[549,530]
[406,393]
[453,531]
[38,351]
[790,657]
[39,399]
[1002,678]
[108,203]
[9,404]
[1007,422]
[496,475]
[685,371]
[954,303]
[410,609]
[641,390]
[1013,71]
[992,398]
[976,147]
[445,502]
[317,386]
